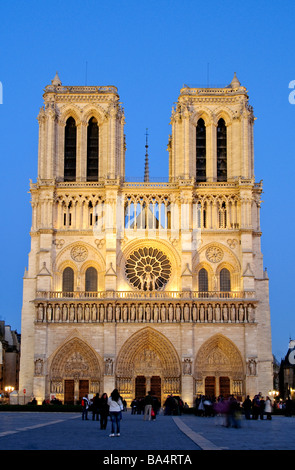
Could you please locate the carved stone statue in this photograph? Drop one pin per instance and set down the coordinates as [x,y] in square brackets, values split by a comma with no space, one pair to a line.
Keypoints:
[64,312]
[170,313]
[117,313]
[195,313]
[163,313]
[217,313]
[110,312]
[202,313]
[210,313]
[148,313]
[72,312]
[49,313]
[156,313]
[224,311]
[80,313]
[57,313]
[87,313]
[178,313]
[101,313]
[241,313]
[186,312]
[233,313]
[125,313]
[94,313]
[40,312]
[133,312]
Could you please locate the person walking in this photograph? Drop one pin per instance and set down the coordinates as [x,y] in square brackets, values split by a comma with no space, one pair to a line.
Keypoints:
[115,409]
[268,408]
[85,406]
[148,403]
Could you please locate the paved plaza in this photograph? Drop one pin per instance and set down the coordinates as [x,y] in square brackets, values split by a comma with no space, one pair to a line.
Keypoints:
[178,434]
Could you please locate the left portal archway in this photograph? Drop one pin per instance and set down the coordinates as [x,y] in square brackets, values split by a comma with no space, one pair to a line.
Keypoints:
[75,369]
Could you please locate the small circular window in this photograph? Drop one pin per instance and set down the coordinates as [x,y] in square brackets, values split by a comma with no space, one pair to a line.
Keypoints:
[148,269]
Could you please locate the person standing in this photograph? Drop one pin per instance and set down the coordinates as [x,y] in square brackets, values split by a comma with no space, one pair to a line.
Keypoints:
[247,405]
[95,408]
[103,411]
[268,408]
[116,407]
[261,407]
[85,406]
[148,403]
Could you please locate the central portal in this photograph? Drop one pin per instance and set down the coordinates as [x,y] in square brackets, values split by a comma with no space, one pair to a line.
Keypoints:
[145,384]
[148,362]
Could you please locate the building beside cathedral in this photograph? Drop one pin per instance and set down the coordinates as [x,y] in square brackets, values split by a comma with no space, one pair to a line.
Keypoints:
[145,286]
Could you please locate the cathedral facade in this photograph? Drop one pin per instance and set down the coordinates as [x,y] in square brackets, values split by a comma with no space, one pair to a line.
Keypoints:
[145,286]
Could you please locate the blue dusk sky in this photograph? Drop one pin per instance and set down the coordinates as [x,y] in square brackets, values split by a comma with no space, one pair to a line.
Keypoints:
[148,50]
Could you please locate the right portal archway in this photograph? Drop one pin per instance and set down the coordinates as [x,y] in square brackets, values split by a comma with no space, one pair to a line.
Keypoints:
[219,369]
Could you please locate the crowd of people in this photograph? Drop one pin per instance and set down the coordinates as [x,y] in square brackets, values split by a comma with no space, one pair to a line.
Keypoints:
[231,409]
[103,407]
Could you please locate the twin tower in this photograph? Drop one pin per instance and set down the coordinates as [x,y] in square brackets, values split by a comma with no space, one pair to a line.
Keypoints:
[145,286]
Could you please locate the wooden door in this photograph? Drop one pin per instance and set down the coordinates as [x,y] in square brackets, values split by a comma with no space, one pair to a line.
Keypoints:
[140,386]
[69,392]
[156,386]
[210,386]
[224,386]
[83,388]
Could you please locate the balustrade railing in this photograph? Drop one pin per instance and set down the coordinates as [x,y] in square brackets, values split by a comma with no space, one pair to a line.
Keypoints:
[150,295]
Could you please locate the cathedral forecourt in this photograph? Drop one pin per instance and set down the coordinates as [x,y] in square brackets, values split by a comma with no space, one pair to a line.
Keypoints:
[145,286]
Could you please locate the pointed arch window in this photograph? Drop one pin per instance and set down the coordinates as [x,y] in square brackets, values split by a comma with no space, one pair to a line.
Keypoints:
[221,151]
[225,280]
[68,280]
[91,280]
[201,151]
[203,280]
[92,150]
[70,150]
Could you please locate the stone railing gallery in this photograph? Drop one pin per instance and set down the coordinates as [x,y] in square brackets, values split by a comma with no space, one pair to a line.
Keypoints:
[148,307]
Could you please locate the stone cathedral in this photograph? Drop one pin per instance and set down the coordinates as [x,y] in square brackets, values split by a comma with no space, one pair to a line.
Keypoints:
[145,285]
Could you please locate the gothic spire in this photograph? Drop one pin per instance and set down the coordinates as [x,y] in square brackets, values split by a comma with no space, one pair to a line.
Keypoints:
[146,166]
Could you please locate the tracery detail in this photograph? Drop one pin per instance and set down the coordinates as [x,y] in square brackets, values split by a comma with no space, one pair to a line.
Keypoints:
[148,269]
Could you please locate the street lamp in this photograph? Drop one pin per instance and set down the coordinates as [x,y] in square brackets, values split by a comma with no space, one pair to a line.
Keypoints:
[8,389]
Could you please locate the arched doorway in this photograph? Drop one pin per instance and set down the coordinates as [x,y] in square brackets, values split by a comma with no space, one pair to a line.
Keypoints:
[148,362]
[75,370]
[219,369]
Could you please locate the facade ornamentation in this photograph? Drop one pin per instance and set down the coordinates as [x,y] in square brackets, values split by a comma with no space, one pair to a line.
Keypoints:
[79,253]
[214,254]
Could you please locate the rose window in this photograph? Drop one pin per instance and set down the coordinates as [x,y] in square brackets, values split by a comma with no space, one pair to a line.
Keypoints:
[148,269]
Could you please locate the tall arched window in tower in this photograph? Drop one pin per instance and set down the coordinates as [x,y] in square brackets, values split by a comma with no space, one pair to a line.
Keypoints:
[201,151]
[70,150]
[224,280]
[203,280]
[68,280]
[92,150]
[91,280]
[221,151]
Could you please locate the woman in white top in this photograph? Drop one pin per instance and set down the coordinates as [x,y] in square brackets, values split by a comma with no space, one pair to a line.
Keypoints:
[268,408]
[116,407]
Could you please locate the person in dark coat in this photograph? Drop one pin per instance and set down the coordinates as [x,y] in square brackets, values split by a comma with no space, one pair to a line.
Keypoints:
[95,408]
[247,405]
[103,411]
